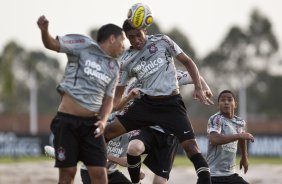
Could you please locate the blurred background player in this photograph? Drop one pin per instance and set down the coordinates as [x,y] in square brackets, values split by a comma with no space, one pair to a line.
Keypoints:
[225,131]
[87,91]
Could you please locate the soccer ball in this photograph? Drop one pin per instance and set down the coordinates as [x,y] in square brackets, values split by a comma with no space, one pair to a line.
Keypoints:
[140,15]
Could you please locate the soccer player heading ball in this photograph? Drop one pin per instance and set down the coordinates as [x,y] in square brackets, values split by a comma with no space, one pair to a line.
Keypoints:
[140,15]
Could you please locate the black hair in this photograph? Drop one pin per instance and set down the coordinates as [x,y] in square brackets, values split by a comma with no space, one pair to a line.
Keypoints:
[127,26]
[106,31]
[226,91]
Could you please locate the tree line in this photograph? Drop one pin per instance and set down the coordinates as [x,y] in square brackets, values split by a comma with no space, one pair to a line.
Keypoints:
[247,60]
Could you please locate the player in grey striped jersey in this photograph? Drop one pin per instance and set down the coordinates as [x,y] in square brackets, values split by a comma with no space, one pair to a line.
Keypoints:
[87,91]
[225,131]
[150,60]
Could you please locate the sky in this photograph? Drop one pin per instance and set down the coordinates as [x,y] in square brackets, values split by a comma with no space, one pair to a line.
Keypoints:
[204,22]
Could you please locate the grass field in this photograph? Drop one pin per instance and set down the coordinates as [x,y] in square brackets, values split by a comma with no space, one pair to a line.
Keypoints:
[179,160]
[41,170]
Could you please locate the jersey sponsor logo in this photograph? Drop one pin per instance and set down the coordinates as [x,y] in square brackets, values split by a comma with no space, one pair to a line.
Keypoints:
[115,148]
[146,68]
[115,151]
[92,70]
[230,147]
[74,41]
[186,132]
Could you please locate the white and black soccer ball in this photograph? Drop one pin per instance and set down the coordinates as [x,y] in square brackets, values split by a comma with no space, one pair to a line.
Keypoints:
[140,15]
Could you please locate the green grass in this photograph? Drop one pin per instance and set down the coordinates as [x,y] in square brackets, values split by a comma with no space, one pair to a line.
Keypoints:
[179,160]
[183,161]
[8,160]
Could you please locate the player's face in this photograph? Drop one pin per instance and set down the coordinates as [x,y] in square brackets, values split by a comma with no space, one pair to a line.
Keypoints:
[118,46]
[227,104]
[137,38]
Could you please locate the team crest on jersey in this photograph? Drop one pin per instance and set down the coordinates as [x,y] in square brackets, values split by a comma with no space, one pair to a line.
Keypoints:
[61,154]
[152,48]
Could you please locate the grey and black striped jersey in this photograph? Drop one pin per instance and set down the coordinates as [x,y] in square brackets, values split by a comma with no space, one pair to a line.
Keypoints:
[221,158]
[153,66]
[90,73]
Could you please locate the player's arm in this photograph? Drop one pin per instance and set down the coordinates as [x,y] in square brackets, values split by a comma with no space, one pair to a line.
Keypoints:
[206,88]
[184,78]
[104,113]
[244,155]
[216,138]
[118,96]
[122,161]
[194,73]
[125,99]
[49,41]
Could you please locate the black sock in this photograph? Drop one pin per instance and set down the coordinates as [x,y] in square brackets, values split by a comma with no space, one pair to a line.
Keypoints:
[202,169]
[134,165]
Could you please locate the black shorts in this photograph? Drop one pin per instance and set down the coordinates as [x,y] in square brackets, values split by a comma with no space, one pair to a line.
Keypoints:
[75,141]
[169,113]
[232,179]
[114,178]
[160,148]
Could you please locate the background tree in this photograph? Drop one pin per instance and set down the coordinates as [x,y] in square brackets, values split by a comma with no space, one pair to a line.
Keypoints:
[242,59]
[246,57]
[16,66]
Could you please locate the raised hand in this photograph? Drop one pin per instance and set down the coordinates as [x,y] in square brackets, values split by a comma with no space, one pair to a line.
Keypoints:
[43,23]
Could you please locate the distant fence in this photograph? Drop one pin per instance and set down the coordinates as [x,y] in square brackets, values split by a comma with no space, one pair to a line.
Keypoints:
[15,145]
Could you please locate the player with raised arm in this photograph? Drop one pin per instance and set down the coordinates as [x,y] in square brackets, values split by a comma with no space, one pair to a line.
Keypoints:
[87,91]
[150,60]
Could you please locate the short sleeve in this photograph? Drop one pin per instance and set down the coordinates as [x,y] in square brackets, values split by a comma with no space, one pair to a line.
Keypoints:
[73,43]
[172,47]
[242,128]
[214,124]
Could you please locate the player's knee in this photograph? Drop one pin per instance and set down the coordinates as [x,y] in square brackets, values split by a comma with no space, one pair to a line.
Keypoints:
[159,180]
[98,175]
[66,175]
[190,147]
[135,147]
